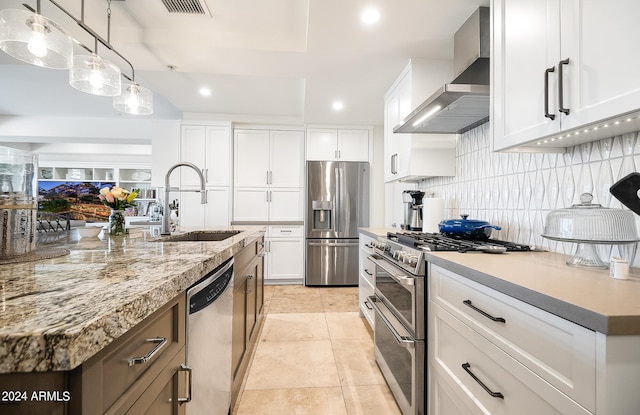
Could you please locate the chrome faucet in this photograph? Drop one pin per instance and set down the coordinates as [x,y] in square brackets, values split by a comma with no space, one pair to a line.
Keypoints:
[166,230]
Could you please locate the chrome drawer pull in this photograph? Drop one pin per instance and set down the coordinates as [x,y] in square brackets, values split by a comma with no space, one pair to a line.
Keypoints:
[487,315]
[139,360]
[466,367]
[187,369]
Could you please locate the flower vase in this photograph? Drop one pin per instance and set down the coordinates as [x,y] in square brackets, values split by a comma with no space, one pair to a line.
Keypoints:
[116,223]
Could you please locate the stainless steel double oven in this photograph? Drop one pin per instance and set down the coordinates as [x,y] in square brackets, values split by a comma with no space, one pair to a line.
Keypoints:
[399,324]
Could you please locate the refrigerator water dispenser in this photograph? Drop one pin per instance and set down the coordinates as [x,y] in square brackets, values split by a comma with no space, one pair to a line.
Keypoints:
[322,210]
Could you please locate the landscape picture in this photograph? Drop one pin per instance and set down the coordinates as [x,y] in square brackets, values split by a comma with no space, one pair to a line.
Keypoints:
[73,200]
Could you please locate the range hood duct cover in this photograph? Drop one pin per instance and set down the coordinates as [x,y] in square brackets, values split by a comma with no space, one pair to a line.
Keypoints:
[462,104]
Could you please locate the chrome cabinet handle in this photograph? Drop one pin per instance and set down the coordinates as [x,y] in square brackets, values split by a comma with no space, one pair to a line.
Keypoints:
[394,164]
[185,368]
[560,88]
[484,313]
[546,93]
[467,368]
[161,341]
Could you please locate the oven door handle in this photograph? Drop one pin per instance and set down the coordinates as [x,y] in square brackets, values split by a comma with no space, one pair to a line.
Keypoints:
[399,278]
[403,341]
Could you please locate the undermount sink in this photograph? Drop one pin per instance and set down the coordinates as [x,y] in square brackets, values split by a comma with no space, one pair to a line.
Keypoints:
[200,236]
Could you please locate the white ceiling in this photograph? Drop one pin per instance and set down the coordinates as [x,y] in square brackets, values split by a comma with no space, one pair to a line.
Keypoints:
[282,58]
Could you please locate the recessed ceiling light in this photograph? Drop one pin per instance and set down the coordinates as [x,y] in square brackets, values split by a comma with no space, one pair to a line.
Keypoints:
[337,105]
[370,16]
[205,92]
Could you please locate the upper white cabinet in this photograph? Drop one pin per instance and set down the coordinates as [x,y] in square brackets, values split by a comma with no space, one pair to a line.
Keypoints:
[268,158]
[209,148]
[268,175]
[416,156]
[338,144]
[562,70]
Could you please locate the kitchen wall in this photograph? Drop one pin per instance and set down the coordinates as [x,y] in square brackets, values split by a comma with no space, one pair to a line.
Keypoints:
[517,190]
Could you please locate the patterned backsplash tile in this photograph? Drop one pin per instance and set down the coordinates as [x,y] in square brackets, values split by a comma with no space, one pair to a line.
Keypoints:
[517,190]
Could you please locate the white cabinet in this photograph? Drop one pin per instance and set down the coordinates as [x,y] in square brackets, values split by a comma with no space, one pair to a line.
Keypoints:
[268,175]
[268,204]
[194,215]
[556,350]
[562,68]
[413,157]
[266,158]
[285,255]
[338,144]
[366,282]
[539,362]
[208,146]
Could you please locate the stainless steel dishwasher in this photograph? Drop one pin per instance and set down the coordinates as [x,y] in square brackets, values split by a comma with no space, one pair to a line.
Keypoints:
[209,314]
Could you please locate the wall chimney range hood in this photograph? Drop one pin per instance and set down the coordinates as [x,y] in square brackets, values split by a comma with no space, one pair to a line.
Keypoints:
[462,104]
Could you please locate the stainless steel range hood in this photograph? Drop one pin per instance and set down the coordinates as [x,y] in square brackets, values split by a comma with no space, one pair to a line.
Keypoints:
[464,103]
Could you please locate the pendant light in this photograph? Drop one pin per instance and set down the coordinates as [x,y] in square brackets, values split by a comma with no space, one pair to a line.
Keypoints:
[134,99]
[94,75]
[32,38]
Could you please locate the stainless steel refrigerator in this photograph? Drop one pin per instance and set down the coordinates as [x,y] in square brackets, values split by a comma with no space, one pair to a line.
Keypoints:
[337,204]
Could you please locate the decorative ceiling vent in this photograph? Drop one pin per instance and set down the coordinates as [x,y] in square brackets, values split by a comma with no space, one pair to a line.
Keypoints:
[185,6]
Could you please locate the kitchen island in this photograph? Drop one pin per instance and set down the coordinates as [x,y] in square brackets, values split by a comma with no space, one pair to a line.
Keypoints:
[59,313]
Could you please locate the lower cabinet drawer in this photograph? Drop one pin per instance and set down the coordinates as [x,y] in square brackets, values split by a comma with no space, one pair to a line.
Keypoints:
[559,351]
[163,396]
[490,379]
[365,289]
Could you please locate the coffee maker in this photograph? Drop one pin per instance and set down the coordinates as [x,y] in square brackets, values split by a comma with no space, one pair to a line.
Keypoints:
[412,200]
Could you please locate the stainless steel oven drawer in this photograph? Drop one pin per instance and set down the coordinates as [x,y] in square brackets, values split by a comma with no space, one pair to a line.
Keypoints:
[400,358]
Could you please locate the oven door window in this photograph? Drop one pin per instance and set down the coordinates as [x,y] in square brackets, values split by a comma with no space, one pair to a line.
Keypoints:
[400,297]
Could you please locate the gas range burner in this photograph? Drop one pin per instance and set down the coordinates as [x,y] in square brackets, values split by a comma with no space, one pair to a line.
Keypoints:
[439,242]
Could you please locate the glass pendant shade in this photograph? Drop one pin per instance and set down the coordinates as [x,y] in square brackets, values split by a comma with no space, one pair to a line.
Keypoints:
[94,75]
[134,100]
[34,39]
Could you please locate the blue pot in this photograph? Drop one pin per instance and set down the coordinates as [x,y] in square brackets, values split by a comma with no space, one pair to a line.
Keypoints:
[467,228]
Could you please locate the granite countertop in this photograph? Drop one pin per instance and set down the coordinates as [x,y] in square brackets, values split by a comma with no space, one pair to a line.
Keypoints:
[588,297]
[57,313]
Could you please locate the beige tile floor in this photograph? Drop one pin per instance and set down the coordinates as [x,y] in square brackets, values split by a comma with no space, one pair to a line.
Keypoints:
[315,357]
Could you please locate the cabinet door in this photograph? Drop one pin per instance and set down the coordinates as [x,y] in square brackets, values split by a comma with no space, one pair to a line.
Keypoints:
[287,159]
[602,76]
[251,205]
[353,145]
[161,397]
[216,211]
[322,144]
[526,42]
[251,312]
[218,156]
[195,215]
[192,149]
[285,205]
[285,259]
[391,117]
[251,152]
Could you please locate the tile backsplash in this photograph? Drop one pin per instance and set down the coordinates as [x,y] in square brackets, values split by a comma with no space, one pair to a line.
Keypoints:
[517,190]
